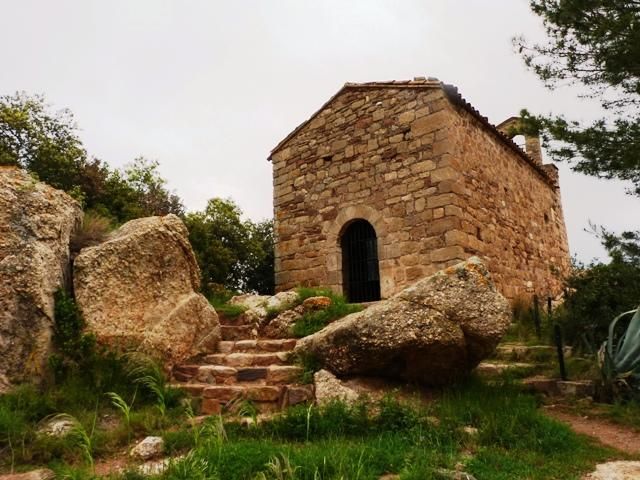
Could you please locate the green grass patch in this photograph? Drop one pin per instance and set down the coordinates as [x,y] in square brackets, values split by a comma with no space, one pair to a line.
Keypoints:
[313,321]
[226,309]
[514,440]
[364,441]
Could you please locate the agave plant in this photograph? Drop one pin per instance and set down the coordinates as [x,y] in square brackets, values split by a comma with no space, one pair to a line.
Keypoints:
[619,356]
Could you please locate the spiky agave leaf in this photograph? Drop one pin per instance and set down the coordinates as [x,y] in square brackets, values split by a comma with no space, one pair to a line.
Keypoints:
[620,354]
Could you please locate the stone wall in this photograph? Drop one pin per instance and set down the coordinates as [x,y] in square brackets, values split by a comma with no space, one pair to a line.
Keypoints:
[396,157]
[512,216]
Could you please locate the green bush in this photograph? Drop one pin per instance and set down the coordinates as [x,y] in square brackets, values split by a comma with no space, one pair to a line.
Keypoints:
[314,321]
[73,346]
[597,294]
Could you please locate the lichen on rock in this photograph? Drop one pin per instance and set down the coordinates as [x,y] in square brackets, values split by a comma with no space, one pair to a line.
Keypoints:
[434,331]
[36,223]
[139,291]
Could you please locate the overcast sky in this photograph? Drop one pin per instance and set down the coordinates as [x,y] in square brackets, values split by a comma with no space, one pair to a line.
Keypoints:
[207,88]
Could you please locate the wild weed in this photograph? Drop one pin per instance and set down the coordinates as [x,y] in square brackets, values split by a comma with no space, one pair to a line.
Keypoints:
[190,467]
[79,436]
[125,408]
[147,373]
[314,321]
[278,468]
[95,229]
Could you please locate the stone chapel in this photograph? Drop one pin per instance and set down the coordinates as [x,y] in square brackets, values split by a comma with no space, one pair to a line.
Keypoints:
[389,182]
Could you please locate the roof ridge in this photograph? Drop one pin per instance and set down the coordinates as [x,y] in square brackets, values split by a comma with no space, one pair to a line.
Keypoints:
[452,93]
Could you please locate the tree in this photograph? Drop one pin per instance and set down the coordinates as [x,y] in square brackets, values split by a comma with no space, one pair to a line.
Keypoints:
[596,44]
[47,144]
[259,274]
[231,252]
[39,141]
[598,292]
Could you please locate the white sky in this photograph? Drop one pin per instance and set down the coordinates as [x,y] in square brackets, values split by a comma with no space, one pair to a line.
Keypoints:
[208,87]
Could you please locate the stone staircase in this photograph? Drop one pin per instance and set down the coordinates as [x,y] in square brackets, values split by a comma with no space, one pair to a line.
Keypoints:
[244,368]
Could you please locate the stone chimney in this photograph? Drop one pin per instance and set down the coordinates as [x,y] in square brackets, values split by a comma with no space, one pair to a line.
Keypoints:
[512,127]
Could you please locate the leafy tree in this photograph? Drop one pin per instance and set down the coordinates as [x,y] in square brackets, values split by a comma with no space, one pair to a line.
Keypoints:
[259,272]
[598,292]
[151,189]
[47,145]
[596,44]
[39,141]
[231,252]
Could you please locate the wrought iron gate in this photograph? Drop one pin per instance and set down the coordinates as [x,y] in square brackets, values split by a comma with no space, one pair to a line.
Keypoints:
[360,272]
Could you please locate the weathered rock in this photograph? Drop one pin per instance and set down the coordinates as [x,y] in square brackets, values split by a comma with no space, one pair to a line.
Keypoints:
[621,470]
[148,448]
[56,427]
[251,302]
[36,223]
[445,474]
[433,332]
[39,474]
[259,307]
[280,327]
[316,303]
[329,388]
[137,291]
[282,300]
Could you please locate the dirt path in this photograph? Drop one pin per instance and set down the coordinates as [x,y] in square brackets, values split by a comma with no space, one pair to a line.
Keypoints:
[617,436]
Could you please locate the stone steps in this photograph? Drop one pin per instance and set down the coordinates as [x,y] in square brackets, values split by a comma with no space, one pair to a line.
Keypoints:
[257,346]
[264,398]
[243,369]
[241,359]
[493,369]
[238,332]
[225,375]
[528,353]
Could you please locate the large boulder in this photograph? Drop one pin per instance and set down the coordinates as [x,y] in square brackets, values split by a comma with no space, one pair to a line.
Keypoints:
[36,222]
[433,332]
[138,291]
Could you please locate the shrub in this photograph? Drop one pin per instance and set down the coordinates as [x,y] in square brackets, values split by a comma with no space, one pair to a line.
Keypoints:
[314,321]
[94,230]
[597,294]
[73,346]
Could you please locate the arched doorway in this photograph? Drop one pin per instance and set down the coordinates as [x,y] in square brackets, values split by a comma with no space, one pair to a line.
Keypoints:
[360,272]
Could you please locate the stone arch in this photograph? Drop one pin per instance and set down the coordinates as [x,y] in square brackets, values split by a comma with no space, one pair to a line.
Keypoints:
[333,231]
[360,264]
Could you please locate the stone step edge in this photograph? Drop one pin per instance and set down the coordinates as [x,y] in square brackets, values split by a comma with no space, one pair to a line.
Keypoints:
[243,359]
[257,345]
[222,374]
[264,398]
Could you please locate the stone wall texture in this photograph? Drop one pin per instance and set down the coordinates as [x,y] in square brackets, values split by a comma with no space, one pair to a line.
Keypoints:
[434,179]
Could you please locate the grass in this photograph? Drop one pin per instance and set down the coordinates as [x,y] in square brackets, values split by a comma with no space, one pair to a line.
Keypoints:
[313,321]
[363,441]
[94,230]
[621,413]
[225,309]
[24,410]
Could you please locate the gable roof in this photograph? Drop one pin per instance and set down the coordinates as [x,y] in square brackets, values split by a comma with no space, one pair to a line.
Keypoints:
[451,93]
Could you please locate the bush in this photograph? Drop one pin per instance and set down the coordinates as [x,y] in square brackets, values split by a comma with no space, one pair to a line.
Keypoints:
[596,295]
[94,230]
[73,346]
[314,321]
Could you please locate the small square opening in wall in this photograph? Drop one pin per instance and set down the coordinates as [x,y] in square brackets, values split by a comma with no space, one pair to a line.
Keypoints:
[546,218]
[327,158]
